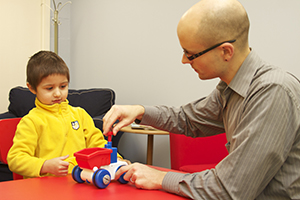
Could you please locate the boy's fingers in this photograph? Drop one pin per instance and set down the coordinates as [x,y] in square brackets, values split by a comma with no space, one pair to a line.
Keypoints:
[64,157]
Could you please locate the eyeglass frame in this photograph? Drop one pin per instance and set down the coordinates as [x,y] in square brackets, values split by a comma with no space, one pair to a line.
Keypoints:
[192,57]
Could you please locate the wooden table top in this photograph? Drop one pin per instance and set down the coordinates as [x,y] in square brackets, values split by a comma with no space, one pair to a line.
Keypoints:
[144,131]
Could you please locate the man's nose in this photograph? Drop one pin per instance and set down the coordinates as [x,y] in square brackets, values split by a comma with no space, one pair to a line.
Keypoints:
[185,60]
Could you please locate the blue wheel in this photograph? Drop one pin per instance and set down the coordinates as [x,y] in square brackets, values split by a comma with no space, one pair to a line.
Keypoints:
[101,178]
[121,179]
[76,174]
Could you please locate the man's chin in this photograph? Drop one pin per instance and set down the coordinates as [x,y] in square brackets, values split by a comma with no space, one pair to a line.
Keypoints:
[203,78]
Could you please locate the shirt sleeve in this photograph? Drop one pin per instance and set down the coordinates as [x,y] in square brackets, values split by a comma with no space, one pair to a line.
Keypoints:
[195,185]
[199,118]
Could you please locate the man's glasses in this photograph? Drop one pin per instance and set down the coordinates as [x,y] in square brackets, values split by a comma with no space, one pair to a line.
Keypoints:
[192,57]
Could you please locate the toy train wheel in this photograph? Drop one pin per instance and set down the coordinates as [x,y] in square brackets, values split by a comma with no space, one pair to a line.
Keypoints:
[121,179]
[101,178]
[76,174]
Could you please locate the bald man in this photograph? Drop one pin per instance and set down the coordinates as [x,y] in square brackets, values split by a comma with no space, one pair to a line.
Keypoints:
[255,103]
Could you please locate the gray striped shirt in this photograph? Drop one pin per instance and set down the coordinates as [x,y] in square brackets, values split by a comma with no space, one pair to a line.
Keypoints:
[260,112]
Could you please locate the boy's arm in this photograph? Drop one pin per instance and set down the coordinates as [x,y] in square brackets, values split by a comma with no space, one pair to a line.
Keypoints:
[20,157]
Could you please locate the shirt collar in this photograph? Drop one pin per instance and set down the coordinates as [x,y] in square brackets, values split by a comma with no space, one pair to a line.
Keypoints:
[52,108]
[244,76]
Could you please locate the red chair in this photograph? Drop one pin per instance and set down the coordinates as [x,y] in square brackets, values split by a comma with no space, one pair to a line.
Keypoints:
[7,132]
[196,154]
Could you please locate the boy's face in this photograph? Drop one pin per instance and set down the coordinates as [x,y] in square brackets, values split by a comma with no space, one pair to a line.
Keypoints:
[52,89]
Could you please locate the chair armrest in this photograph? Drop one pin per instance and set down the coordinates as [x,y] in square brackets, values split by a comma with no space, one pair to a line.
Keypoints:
[7,115]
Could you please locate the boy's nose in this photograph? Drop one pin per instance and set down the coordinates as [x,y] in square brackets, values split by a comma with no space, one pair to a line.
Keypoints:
[57,93]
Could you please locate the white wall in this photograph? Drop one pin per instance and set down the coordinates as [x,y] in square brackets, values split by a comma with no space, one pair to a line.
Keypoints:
[24,30]
[132,47]
[275,31]
[63,29]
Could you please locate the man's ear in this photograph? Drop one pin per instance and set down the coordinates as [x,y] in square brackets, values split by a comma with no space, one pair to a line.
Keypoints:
[31,88]
[228,51]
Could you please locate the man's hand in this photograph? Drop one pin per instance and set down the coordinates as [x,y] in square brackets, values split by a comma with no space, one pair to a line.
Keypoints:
[142,176]
[56,166]
[125,114]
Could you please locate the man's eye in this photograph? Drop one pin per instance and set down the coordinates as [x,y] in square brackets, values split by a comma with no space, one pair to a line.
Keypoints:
[186,53]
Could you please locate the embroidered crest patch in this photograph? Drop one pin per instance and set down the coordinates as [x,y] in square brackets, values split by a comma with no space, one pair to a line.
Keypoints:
[75,125]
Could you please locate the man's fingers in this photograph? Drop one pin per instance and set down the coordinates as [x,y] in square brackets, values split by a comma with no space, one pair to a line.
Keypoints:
[109,119]
[126,114]
[106,122]
[120,125]
[121,171]
[129,171]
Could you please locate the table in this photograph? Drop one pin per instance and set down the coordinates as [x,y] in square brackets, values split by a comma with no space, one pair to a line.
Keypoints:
[150,138]
[65,188]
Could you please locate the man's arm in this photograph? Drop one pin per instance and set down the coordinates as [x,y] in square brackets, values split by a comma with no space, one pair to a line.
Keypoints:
[199,118]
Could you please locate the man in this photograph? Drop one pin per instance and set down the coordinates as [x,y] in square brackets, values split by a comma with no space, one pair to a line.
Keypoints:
[256,104]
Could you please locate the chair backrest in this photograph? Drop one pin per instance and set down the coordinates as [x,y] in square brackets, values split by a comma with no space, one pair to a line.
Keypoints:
[7,132]
[196,151]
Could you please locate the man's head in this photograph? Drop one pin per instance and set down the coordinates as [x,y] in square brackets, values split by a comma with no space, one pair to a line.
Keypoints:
[48,77]
[211,22]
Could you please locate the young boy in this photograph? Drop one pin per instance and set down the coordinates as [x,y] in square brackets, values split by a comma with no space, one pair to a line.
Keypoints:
[52,132]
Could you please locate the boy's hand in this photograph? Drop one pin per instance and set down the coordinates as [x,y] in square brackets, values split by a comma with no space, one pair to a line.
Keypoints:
[56,166]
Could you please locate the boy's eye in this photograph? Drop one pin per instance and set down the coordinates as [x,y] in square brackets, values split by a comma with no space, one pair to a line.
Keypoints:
[63,86]
[49,88]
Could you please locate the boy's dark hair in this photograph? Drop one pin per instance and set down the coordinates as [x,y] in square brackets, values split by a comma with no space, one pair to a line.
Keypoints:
[43,64]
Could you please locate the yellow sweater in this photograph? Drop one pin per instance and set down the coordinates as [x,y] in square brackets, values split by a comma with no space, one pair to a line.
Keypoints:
[48,132]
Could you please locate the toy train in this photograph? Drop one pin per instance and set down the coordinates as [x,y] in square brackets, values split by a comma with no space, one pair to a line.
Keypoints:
[98,165]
